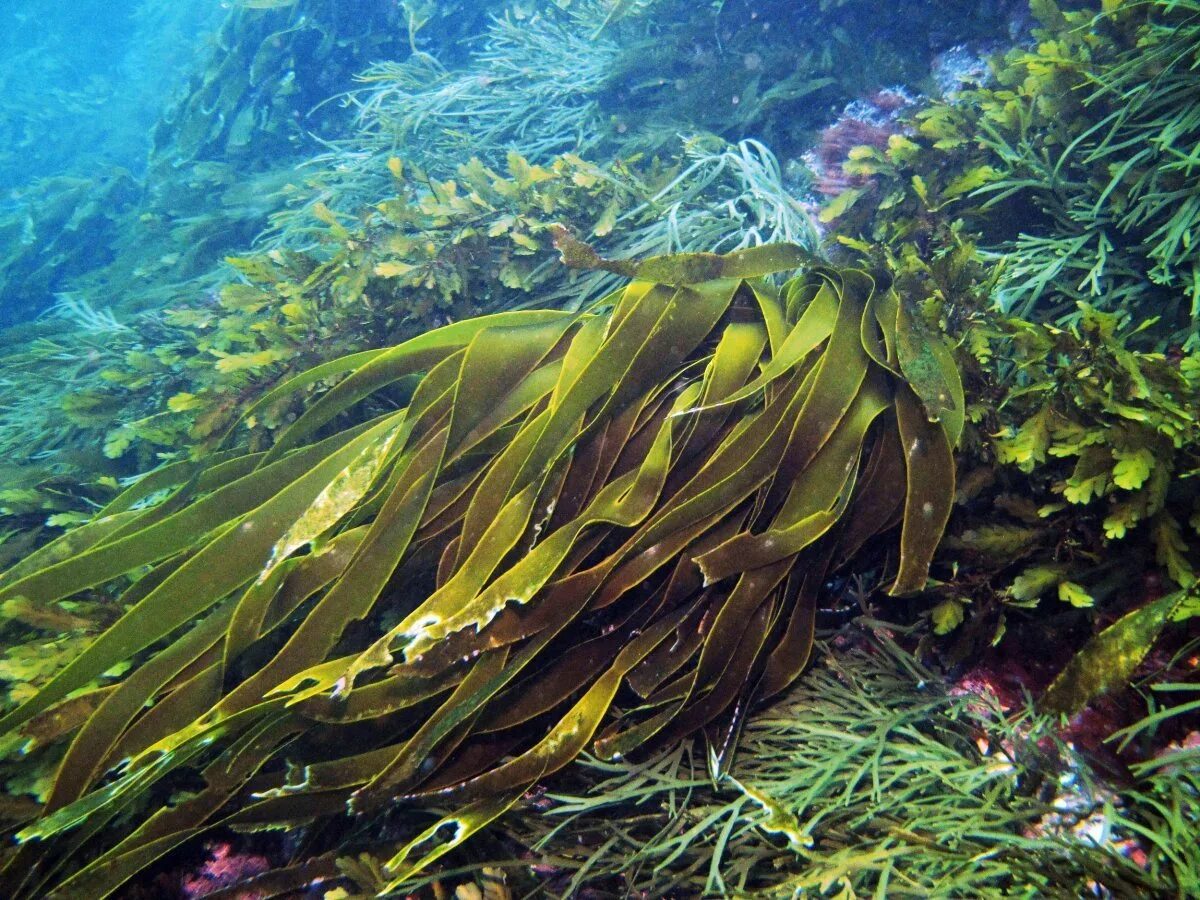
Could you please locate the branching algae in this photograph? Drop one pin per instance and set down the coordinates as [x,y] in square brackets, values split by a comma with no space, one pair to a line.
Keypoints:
[541,533]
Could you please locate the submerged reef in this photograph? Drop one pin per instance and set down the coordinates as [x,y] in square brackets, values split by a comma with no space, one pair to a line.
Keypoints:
[437,461]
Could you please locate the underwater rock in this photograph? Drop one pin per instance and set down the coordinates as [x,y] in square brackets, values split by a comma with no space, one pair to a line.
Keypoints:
[869,122]
[962,66]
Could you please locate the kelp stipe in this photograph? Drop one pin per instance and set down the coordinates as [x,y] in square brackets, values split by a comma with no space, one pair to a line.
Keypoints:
[441,605]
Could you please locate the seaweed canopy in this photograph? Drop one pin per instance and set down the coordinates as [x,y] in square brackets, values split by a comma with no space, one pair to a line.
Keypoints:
[549,532]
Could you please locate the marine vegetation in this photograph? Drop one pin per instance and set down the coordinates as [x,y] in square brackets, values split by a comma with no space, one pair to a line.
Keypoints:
[484,551]
[1077,167]
[1078,475]
[613,89]
[362,547]
[123,399]
[867,778]
[1044,217]
[555,64]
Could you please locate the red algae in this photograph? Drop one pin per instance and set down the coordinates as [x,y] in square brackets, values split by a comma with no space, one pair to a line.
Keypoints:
[226,867]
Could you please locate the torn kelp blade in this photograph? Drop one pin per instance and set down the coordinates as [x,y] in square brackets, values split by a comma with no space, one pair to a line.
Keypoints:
[445,604]
[1110,658]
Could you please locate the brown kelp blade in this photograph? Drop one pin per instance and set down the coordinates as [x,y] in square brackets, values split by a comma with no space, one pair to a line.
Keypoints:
[368,617]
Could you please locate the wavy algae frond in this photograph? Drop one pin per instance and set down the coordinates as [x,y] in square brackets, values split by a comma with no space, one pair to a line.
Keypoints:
[582,532]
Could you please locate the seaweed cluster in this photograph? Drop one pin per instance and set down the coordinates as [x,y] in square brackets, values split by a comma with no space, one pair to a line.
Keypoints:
[710,196]
[1075,319]
[867,778]
[1076,167]
[434,250]
[646,497]
[398,479]
[1077,443]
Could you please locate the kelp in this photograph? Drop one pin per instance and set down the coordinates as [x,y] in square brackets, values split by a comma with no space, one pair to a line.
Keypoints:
[548,532]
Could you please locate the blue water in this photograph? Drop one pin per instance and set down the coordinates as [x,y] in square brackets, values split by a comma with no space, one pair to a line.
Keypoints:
[82,82]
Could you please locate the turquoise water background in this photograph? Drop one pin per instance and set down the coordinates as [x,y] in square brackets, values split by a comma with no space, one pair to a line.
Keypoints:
[82,82]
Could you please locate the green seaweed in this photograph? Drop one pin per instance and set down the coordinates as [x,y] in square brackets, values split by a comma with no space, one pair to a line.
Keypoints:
[516,540]
[1079,449]
[1076,166]
[868,778]
[1110,659]
[1038,216]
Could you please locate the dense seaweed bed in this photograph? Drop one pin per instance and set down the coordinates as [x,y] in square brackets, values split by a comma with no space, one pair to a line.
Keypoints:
[325,400]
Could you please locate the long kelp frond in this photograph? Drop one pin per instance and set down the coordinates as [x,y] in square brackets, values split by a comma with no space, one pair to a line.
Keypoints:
[546,532]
